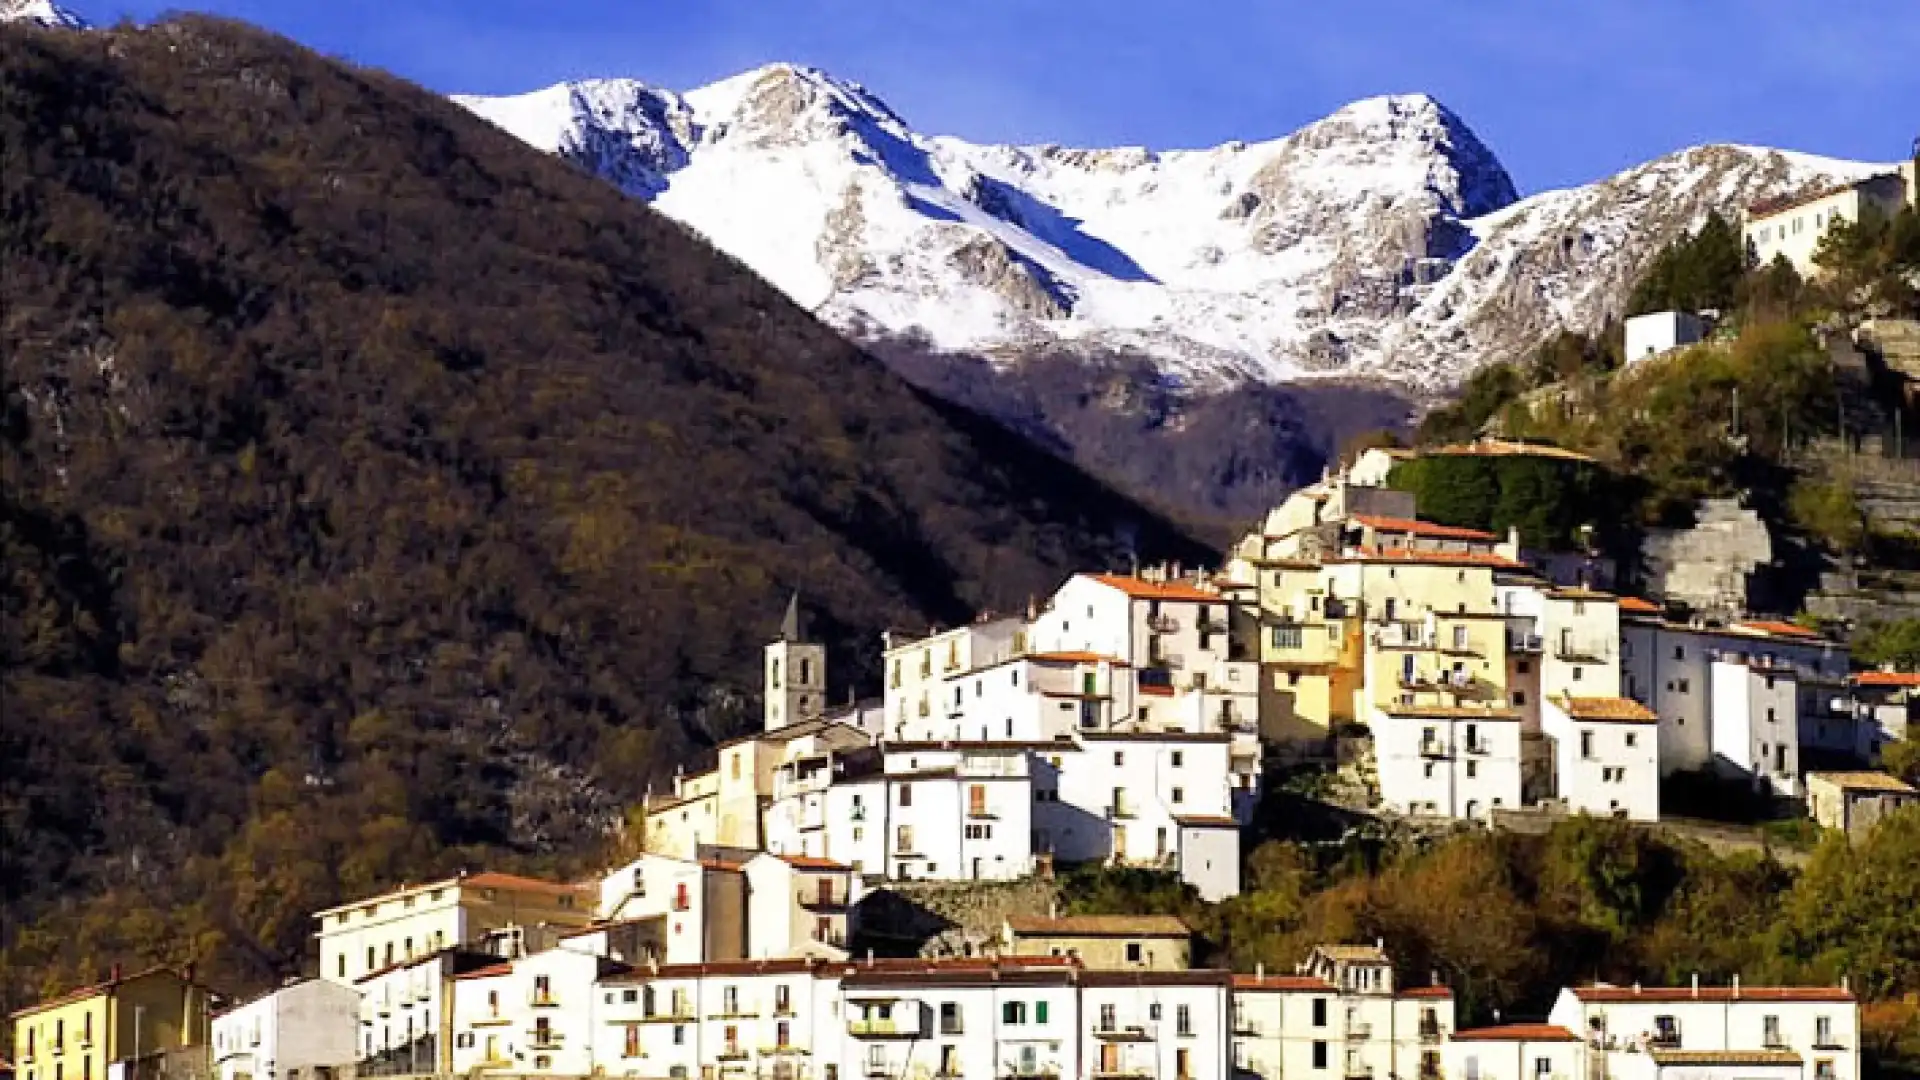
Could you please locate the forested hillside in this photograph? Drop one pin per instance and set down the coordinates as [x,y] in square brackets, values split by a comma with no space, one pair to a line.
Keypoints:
[382,496]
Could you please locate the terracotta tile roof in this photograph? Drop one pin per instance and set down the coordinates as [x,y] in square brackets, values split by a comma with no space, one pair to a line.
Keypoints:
[1620,995]
[1075,657]
[1146,977]
[1100,926]
[1207,821]
[488,879]
[612,924]
[1283,984]
[82,992]
[1141,589]
[1887,678]
[1156,736]
[1725,1057]
[1864,781]
[1428,992]
[1581,592]
[722,865]
[1430,558]
[1416,527]
[1776,628]
[1154,690]
[491,971]
[1517,1033]
[811,862]
[1633,605]
[1766,208]
[1616,710]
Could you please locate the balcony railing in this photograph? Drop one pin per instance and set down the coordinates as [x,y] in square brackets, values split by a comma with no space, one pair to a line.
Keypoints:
[1359,1031]
[815,901]
[544,1038]
[1120,812]
[1523,643]
[1434,749]
[1429,1033]
[1015,1071]
[1582,652]
[1163,624]
[1479,746]
[1118,1032]
[883,1029]
[542,999]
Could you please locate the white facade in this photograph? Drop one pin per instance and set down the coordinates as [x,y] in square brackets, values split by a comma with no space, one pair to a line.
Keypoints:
[402,1015]
[532,1015]
[1120,796]
[702,904]
[924,677]
[1623,1028]
[1156,1024]
[1514,1052]
[1792,231]
[1756,729]
[799,906]
[1660,332]
[1458,762]
[288,1034]
[1606,756]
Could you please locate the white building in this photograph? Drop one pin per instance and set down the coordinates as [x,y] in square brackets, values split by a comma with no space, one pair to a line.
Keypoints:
[374,934]
[1717,1032]
[1791,228]
[404,1012]
[1013,1018]
[1514,1052]
[303,1031]
[1156,1023]
[927,678]
[1450,761]
[701,902]
[1662,332]
[767,1018]
[535,1014]
[1606,756]
[1755,722]
[798,906]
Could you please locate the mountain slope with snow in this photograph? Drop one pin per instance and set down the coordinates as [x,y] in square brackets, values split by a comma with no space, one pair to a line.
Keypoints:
[42,12]
[1385,240]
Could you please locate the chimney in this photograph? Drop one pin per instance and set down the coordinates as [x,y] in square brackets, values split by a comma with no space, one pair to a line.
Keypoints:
[1053,909]
[1636,986]
[869,957]
[1696,984]
[1844,983]
[114,973]
[1736,984]
[1260,971]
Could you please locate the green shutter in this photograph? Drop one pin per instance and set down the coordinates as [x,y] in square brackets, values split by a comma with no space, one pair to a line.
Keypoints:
[1040,1012]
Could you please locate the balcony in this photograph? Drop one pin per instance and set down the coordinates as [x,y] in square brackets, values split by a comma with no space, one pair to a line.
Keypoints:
[857,813]
[1358,1072]
[1120,812]
[782,1050]
[731,1053]
[543,999]
[1582,652]
[980,812]
[1430,1033]
[681,1013]
[544,1039]
[1480,747]
[1523,643]
[1212,624]
[1122,1072]
[735,1012]
[818,901]
[1117,1032]
[1358,1032]
[1665,1040]
[1163,624]
[1247,1027]
[888,1028]
[1434,749]
[1016,1071]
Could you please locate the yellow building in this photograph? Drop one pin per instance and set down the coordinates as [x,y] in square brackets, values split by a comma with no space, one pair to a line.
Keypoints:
[371,935]
[1104,942]
[151,1014]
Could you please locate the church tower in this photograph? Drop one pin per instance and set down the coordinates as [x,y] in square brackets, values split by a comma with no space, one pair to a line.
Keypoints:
[796,674]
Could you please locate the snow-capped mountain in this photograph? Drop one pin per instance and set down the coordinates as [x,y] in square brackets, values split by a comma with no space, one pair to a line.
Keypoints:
[1385,240]
[43,12]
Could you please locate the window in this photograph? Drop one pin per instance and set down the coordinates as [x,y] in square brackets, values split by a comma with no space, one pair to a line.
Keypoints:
[1179,759]
[1109,1018]
[1179,795]
[1633,739]
[1683,686]
[1319,1053]
[631,1047]
[1543,1066]
[1039,1012]
[1679,652]
[1288,637]
[1770,1031]
[1586,745]
[1666,1031]
[903,838]
[679,1034]
[906,795]
[1473,769]
[1521,667]
[342,966]
[950,1018]
[730,1000]
[1183,1023]
[493,1003]
[1119,758]
[1823,1031]
[782,999]
[1013,1012]
[1576,674]
[1459,637]
[1319,1020]
[1519,697]
[1134,952]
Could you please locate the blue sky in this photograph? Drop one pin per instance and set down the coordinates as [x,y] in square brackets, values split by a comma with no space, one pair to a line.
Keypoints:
[1565,91]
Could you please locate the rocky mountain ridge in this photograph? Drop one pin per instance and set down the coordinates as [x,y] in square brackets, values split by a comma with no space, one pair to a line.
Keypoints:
[1383,242]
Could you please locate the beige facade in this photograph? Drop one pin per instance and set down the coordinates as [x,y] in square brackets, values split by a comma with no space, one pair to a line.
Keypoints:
[369,935]
[1104,942]
[1854,802]
[1792,229]
[1341,1015]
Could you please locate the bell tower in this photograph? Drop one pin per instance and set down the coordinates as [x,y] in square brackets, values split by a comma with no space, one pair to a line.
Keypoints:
[795,675]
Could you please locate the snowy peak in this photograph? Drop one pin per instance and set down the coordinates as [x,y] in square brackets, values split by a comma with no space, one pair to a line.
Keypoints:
[1385,240]
[40,12]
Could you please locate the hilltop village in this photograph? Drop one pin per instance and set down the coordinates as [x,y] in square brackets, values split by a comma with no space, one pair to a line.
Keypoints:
[1128,720]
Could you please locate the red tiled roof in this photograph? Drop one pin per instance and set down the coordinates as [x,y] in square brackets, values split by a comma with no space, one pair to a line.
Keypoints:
[1617,710]
[1076,657]
[1157,690]
[722,864]
[1517,1033]
[1428,992]
[488,972]
[1209,821]
[1432,558]
[1887,678]
[490,879]
[1416,527]
[1615,995]
[1283,984]
[1141,589]
[811,862]
[1633,605]
[1779,629]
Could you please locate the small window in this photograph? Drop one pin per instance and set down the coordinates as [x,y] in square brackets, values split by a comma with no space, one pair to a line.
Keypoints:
[1133,952]
[1178,759]
[1179,795]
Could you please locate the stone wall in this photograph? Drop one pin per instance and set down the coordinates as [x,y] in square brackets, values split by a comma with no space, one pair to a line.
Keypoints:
[1710,566]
